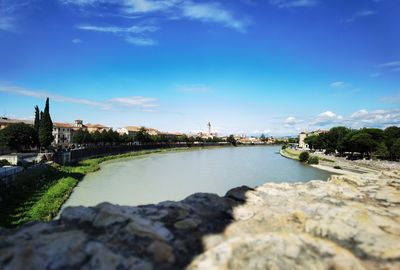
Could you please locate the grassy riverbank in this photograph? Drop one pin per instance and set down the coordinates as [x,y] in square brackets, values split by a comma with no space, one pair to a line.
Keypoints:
[39,194]
[330,164]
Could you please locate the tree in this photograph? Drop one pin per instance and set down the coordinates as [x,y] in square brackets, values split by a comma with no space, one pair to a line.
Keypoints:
[382,151]
[335,139]
[304,156]
[391,135]
[46,127]
[231,139]
[395,150]
[312,141]
[362,142]
[37,119]
[19,136]
[143,136]
[81,136]
[313,160]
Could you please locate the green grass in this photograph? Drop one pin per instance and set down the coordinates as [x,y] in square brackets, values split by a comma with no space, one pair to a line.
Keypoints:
[292,153]
[49,204]
[39,195]
[326,160]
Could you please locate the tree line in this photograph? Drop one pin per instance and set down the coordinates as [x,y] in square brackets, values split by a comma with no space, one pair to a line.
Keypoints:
[366,142]
[142,136]
[20,136]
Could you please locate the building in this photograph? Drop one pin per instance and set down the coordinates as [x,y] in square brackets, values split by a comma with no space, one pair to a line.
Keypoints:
[62,133]
[304,134]
[170,135]
[133,130]
[4,122]
[122,131]
[91,128]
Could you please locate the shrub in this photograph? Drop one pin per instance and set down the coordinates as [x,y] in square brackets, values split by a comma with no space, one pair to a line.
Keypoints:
[337,167]
[284,147]
[4,162]
[304,156]
[313,160]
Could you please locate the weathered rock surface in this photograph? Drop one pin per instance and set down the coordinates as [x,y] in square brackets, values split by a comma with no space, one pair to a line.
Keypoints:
[348,222]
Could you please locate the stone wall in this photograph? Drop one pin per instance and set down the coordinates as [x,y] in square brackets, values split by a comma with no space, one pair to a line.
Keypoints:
[348,222]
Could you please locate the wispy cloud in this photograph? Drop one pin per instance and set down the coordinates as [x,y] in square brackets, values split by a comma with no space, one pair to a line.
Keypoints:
[140,41]
[339,85]
[7,24]
[194,89]
[360,14]
[212,13]
[76,41]
[294,3]
[136,101]
[166,9]
[135,29]
[9,10]
[130,34]
[391,66]
[139,102]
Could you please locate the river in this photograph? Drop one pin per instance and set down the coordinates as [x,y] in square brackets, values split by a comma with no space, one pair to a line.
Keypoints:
[175,175]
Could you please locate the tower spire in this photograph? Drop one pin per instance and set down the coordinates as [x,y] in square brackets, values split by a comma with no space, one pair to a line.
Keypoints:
[209,127]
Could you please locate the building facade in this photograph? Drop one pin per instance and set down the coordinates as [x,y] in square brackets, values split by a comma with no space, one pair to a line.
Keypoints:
[62,133]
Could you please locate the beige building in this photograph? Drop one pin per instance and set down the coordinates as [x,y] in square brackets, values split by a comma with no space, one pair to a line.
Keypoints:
[62,133]
[91,128]
[133,130]
[304,134]
[4,122]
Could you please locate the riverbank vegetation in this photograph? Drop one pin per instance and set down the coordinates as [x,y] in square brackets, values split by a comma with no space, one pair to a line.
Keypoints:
[359,143]
[37,195]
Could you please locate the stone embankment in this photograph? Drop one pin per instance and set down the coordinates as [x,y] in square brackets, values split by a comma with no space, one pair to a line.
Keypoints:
[348,222]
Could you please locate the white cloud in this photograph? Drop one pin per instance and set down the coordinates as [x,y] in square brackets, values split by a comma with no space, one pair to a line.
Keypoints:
[9,14]
[6,24]
[139,41]
[76,41]
[326,118]
[143,6]
[194,89]
[126,32]
[359,114]
[377,118]
[294,3]
[338,85]
[138,102]
[176,9]
[359,14]
[392,66]
[291,121]
[212,13]
[358,119]
[135,29]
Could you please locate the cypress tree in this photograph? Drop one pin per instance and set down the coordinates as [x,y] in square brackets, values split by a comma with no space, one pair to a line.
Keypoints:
[46,127]
[37,119]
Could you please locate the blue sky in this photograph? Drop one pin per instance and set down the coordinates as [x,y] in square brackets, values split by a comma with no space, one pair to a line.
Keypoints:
[273,66]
